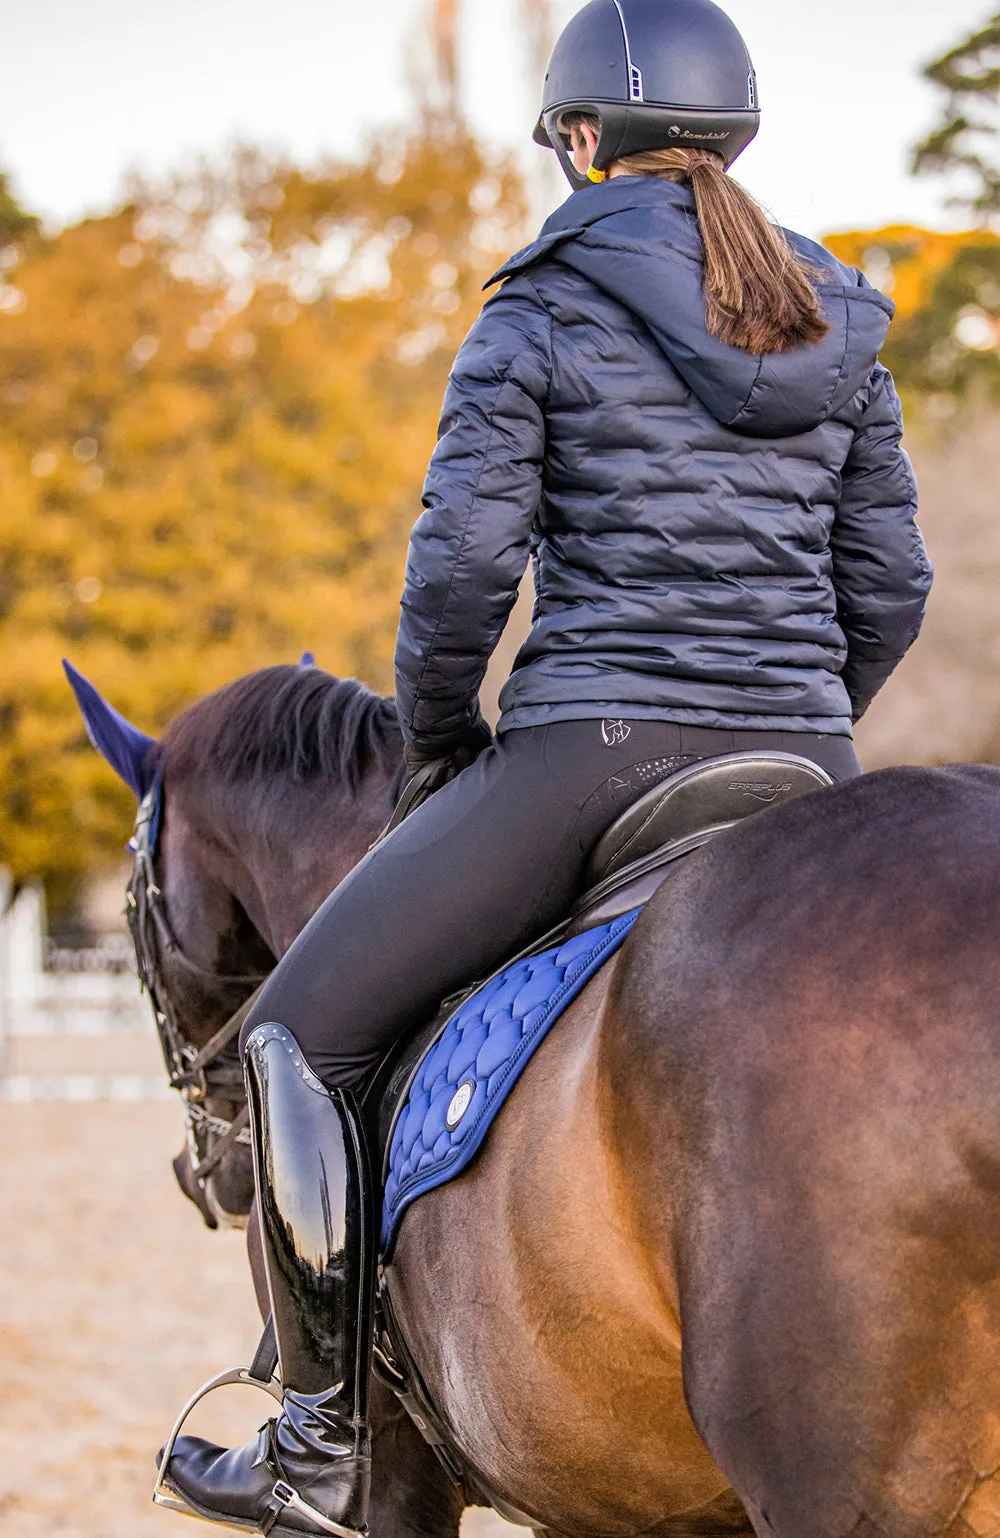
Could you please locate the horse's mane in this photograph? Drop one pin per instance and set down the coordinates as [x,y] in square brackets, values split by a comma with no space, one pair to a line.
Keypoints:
[287,721]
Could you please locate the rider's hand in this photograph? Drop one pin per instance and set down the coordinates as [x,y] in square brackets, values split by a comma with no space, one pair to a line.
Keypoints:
[427,770]
[452,757]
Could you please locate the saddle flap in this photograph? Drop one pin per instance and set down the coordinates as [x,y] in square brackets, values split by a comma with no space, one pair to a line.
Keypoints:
[711,794]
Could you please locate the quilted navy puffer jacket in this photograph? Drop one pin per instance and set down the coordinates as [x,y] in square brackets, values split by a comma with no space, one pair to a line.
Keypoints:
[718,539]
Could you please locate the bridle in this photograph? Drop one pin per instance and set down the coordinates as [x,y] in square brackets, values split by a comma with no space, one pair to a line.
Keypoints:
[193,1071]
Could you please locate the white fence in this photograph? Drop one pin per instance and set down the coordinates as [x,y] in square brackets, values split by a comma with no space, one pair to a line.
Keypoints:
[73,1024]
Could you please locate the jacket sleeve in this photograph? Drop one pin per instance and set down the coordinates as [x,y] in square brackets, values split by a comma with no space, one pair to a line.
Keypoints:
[881,572]
[469,548]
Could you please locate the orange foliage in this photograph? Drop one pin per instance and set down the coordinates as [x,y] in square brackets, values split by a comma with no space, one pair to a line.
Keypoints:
[905,262]
[944,344]
[217,408]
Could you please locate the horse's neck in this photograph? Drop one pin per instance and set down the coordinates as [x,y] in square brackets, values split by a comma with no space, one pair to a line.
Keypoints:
[292,862]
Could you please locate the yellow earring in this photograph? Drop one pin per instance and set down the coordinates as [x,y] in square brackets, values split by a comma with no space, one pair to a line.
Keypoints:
[597,176]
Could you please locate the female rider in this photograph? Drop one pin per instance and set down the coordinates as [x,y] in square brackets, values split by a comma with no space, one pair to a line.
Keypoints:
[675,408]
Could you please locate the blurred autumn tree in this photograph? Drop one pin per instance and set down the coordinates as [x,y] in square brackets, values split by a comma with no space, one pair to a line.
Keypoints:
[217,408]
[944,344]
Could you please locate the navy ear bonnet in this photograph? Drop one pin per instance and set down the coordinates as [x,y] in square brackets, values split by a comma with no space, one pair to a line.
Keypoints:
[124,747]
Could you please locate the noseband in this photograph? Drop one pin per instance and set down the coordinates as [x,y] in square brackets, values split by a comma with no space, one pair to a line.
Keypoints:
[193,1071]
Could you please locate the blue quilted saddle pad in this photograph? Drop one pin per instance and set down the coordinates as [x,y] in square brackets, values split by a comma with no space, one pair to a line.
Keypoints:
[469,1071]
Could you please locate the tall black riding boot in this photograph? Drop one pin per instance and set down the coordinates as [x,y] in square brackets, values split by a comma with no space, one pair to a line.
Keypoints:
[308,1471]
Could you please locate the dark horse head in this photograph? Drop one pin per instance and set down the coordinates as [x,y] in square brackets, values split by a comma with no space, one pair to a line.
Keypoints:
[251,767]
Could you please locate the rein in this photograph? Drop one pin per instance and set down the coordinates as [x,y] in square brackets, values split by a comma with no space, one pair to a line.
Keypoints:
[193,1071]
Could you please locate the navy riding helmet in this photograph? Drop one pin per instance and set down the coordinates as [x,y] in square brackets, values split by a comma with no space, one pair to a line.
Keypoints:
[657,73]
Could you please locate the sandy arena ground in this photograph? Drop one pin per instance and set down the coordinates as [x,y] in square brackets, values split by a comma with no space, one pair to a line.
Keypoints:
[115,1304]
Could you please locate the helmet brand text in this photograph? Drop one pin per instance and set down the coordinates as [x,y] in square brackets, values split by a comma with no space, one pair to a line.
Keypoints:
[676,132]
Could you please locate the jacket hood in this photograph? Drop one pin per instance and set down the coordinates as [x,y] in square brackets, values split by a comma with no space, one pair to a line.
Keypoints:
[636,238]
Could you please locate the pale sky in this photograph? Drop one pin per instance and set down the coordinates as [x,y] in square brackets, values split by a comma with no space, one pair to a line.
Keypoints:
[93,89]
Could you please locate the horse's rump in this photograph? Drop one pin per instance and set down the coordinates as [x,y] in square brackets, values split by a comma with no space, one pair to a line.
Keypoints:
[807,1036]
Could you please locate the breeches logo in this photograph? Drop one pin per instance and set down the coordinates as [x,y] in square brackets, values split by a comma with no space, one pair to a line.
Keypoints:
[614,732]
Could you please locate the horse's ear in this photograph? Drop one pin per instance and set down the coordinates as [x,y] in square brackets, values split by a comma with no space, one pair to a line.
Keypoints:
[307,660]
[126,749]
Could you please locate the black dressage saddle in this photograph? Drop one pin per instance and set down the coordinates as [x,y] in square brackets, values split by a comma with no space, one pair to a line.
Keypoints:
[677,816]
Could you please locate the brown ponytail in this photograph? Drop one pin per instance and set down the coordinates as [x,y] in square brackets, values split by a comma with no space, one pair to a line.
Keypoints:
[759,294]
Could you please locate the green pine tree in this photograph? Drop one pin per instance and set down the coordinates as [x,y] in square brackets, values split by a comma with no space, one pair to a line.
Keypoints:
[965,139]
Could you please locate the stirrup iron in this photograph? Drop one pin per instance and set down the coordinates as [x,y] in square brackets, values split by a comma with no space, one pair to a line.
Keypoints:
[163,1495]
[283,1495]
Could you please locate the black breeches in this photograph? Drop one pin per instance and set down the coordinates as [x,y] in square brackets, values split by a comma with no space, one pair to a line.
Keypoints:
[478,871]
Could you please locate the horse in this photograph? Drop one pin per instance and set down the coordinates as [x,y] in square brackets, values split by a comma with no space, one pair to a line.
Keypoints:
[729,1260]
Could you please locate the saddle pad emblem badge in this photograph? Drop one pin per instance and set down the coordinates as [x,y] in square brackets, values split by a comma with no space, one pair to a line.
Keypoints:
[614,732]
[460,1102]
